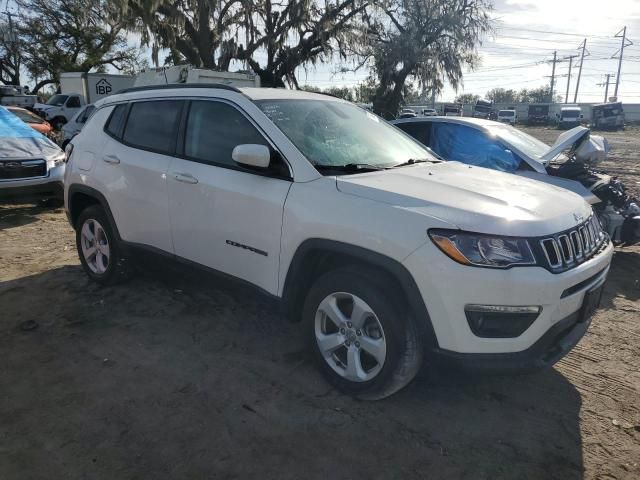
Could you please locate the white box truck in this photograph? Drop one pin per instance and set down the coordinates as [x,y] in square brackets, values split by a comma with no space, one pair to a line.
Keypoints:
[78,89]
[188,74]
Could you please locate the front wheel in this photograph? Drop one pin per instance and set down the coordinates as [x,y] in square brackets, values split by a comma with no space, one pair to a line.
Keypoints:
[98,249]
[363,339]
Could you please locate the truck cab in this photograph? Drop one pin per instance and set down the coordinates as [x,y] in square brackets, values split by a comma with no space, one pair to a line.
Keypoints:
[569,117]
[60,108]
[608,116]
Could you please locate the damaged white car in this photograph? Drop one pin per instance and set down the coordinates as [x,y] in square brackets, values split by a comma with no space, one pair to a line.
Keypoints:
[568,163]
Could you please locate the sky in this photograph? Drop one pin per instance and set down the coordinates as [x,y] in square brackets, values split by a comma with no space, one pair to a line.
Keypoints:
[527,32]
[519,53]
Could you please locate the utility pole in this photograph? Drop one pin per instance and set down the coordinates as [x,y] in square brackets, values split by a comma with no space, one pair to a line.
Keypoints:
[624,44]
[584,47]
[553,77]
[570,57]
[606,87]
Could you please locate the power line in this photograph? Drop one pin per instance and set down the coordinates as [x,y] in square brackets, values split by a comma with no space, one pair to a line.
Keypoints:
[554,33]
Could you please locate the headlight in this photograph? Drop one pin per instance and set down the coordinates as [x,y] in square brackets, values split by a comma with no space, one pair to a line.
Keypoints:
[59,159]
[483,250]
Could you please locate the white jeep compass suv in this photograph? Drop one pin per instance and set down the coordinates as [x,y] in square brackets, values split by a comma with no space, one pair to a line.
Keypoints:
[386,254]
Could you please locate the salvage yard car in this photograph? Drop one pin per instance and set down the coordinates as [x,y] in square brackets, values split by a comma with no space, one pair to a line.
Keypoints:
[73,126]
[382,251]
[31,119]
[569,163]
[31,166]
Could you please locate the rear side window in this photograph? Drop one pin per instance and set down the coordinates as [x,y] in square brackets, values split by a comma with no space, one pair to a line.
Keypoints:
[116,120]
[214,129]
[153,125]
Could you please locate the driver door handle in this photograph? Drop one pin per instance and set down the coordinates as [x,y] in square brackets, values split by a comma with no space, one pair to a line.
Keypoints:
[185,178]
[113,159]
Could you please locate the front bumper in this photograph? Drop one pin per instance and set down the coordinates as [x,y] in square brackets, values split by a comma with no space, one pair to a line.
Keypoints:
[51,186]
[448,287]
[550,348]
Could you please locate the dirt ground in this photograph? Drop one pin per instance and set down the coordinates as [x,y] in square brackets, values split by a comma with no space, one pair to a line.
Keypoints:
[178,375]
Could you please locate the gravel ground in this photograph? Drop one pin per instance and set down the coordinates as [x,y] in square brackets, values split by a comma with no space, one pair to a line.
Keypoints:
[179,375]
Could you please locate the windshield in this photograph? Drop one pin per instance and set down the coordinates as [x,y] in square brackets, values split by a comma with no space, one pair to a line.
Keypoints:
[570,113]
[25,116]
[523,142]
[57,100]
[336,134]
[506,113]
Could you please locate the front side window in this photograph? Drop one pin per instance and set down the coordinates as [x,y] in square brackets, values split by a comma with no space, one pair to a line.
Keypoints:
[214,129]
[335,134]
[471,146]
[73,102]
[153,125]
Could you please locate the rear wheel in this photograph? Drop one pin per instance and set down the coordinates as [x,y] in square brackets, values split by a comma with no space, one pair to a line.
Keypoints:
[363,339]
[98,249]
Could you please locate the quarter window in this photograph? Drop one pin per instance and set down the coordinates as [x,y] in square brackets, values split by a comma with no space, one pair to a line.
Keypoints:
[214,129]
[153,125]
[116,120]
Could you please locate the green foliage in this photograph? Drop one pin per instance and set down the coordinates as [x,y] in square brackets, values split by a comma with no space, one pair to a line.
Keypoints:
[467,99]
[424,41]
[534,95]
[273,38]
[501,95]
[71,36]
[10,54]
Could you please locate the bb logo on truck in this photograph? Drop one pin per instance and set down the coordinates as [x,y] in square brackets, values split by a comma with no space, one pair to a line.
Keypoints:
[103,87]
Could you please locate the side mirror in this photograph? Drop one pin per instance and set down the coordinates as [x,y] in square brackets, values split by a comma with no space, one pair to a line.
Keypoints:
[252,155]
[581,116]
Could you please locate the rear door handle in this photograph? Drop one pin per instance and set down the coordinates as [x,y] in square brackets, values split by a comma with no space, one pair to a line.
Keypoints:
[185,178]
[111,159]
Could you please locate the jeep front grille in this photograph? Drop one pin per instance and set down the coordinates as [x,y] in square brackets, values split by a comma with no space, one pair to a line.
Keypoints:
[570,248]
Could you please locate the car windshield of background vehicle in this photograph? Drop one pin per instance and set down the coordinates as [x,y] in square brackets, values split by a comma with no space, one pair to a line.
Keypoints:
[336,134]
[57,100]
[26,116]
[521,141]
[506,113]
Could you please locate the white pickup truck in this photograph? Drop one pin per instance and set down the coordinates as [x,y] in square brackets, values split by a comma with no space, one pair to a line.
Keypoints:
[387,255]
[77,90]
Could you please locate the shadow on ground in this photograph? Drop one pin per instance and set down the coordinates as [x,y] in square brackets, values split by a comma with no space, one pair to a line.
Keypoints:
[177,375]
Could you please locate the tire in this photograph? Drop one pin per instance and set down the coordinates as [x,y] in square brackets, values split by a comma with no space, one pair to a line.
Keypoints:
[107,266]
[388,321]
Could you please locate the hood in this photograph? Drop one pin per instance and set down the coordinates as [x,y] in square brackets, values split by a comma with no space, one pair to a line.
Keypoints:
[19,141]
[472,198]
[587,148]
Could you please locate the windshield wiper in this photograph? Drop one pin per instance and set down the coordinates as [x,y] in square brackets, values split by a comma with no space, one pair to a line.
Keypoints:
[350,167]
[412,161]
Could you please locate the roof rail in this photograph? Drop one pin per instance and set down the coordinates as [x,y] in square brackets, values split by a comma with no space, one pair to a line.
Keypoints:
[145,88]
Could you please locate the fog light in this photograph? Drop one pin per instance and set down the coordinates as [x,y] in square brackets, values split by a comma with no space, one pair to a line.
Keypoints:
[498,321]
